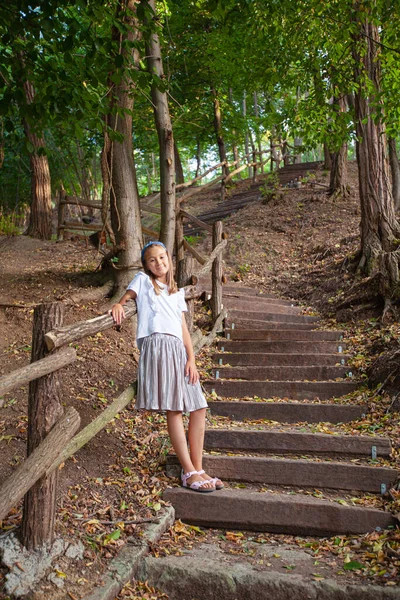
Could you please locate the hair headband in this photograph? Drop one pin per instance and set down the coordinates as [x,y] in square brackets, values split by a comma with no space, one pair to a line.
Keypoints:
[152,243]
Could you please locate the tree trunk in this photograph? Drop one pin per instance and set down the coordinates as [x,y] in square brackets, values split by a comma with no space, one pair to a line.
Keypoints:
[218,131]
[179,176]
[84,177]
[246,138]
[165,138]
[327,157]
[285,153]
[258,137]
[40,214]
[198,158]
[298,142]
[254,156]
[44,409]
[395,171]
[120,190]
[379,228]
[338,179]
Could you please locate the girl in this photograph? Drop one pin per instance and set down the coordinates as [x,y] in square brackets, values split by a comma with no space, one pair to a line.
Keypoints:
[167,376]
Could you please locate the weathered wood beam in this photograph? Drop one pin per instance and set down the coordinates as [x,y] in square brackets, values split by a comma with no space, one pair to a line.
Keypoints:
[238,170]
[155,210]
[207,266]
[77,201]
[151,232]
[81,226]
[216,278]
[71,333]
[194,253]
[194,191]
[196,221]
[206,340]
[17,305]
[181,186]
[193,291]
[37,463]
[46,365]
[88,432]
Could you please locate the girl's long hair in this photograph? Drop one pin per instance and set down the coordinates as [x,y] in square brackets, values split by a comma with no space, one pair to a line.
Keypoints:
[171,283]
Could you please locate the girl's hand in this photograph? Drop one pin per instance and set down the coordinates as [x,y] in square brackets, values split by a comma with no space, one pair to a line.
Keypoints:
[192,372]
[118,313]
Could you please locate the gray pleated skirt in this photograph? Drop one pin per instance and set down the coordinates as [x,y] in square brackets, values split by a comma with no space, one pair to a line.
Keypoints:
[162,384]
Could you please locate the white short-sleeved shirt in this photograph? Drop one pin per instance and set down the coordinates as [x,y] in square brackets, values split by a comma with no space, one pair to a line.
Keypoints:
[157,313]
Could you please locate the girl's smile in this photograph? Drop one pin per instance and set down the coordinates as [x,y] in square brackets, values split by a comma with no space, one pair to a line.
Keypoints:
[156,261]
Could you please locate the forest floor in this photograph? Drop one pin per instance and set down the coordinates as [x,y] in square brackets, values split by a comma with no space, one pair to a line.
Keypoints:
[296,247]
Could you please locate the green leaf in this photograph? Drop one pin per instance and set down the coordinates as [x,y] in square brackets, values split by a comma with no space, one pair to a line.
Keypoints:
[119,60]
[353,565]
[113,536]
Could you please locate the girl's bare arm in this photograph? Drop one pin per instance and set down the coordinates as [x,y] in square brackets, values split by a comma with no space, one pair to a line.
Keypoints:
[117,310]
[190,368]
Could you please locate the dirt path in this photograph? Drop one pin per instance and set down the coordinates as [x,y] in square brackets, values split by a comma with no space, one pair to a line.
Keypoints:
[293,249]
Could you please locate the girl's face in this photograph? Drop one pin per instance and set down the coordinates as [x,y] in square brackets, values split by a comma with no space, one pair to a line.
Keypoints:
[156,261]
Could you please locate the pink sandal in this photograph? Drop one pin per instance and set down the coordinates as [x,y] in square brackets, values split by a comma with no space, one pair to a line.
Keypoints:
[213,480]
[196,486]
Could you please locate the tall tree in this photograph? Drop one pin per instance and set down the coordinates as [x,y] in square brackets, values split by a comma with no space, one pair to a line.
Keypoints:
[164,131]
[380,230]
[218,130]
[395,171]
[40,225]
[120,192]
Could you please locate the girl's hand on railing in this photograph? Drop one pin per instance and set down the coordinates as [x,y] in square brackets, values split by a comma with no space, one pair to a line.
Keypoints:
[118,313]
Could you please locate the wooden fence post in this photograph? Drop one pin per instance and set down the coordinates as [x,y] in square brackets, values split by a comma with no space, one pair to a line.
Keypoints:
[179,247]
[44,409]
[186,275]
[61,214]
[216,274]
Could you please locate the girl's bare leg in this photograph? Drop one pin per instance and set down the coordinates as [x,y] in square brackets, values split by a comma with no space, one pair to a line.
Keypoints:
[177,436]
[197,425]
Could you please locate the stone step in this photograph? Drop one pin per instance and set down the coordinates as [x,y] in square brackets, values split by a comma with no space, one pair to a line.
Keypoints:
[242,292]
[234,323]
[288,412]
[270,300]
[284,373]
[259,304]
[294,390]
[279,359]
[275,513]
[205,571]
[271,335]
[294,472]
[262,315]
[295,442]
[295,346]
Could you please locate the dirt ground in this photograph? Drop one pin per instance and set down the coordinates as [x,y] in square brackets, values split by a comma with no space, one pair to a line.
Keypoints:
[295,247]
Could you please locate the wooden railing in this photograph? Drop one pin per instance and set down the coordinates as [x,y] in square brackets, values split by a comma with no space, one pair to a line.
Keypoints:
[252,160]
[51,438]
[50,432]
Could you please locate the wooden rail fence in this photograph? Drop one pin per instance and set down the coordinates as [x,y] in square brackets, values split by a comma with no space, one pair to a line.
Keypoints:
[253,160]
[51,432]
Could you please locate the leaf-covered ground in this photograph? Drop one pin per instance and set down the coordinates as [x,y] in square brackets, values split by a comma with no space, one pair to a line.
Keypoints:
[296,248]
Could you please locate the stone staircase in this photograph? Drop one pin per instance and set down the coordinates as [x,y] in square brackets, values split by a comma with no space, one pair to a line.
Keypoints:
[273,365]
